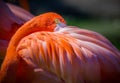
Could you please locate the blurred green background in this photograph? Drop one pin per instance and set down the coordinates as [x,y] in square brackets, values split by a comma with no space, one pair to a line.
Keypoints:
[102,16]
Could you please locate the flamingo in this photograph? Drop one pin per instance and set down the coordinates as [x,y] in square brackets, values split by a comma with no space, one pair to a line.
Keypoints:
[47,50]
[11,18]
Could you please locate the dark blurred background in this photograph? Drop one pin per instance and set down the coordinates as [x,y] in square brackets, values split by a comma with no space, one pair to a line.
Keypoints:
[102,16]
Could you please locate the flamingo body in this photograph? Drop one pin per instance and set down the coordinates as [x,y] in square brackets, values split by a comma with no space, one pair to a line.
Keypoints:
[43,51]
[72,54]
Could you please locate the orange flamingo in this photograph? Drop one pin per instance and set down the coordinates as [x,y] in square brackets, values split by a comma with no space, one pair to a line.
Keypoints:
[46,50]
[11,18]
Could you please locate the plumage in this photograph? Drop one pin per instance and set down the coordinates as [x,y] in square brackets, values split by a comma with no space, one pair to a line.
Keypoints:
[45,51]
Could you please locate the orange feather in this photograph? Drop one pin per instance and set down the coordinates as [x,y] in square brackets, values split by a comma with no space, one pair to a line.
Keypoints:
[44,50]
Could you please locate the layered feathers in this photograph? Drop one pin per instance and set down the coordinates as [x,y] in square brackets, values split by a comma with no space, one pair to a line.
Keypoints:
[43,51]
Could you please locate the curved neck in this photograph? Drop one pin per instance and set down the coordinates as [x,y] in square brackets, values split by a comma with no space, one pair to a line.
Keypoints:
[11,58]
[25,30]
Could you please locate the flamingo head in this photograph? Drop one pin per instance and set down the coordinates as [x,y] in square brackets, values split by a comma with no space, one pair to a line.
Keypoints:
[48,21]
[44,22]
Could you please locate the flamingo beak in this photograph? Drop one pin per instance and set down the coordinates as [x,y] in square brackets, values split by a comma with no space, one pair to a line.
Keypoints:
[59,24]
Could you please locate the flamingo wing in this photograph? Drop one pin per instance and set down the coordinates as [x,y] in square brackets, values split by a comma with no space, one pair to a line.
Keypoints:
[43,51]
[72,54]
